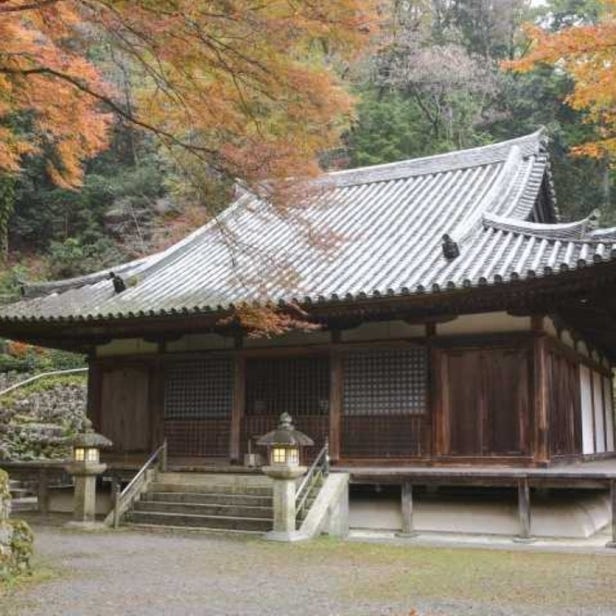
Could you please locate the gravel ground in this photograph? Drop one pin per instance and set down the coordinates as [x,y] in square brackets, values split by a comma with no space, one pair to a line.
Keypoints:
[140,573]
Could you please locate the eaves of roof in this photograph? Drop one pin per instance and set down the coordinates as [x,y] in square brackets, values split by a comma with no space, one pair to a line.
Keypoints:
[388,219]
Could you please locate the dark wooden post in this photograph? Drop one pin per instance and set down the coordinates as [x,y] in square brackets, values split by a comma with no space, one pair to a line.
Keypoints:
[95,382]
[156,402]
[524,510]
[612,543]
[408,528]
[43,491]
[335,405]
[237,410]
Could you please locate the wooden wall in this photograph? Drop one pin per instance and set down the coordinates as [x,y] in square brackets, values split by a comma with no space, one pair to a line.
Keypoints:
[512,396]
[485,402]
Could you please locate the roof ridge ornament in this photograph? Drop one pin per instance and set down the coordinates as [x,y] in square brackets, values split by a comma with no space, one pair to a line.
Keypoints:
[451,250]
[118,282]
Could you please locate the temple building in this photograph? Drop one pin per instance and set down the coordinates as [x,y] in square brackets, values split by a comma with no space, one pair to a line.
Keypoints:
[460,323]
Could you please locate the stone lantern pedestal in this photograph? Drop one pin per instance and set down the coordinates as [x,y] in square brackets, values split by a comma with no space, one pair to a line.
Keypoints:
[84,499]
[283,480]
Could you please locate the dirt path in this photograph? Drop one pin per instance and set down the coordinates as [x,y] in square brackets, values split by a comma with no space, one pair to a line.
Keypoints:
[133,573]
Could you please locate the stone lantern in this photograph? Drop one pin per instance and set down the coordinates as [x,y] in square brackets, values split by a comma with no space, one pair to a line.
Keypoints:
[85,467]
[284,444]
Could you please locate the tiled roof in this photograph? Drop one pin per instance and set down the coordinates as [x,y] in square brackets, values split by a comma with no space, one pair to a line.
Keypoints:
[384,227]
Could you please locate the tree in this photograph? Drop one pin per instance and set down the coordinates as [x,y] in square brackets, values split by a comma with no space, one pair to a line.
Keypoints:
[586,52]
[246,88]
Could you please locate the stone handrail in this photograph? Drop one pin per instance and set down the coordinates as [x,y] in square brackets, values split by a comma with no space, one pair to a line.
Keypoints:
[43,375]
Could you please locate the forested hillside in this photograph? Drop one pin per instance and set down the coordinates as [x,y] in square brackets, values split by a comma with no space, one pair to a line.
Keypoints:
[431,81]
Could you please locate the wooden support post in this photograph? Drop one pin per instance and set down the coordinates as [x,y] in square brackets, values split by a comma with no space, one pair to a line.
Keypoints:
[541,450]
[156,402]
[612,543]
[524,511]
[116,488]
[94,401]
[335,406]
[237,410]
[408,528]
[43,491]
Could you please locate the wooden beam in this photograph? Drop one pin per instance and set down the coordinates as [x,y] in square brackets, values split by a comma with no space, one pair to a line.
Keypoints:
[335,404]
[237,410]
[429,319]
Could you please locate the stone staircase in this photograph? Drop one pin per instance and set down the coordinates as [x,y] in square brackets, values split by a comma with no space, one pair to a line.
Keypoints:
[209,501]
[22,498]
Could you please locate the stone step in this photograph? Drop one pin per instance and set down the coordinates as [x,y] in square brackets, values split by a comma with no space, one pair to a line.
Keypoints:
[201,498]
[19,492]
[216,479]
[200,509]
[199,521]
[160,486]
[157,528]
[27,503]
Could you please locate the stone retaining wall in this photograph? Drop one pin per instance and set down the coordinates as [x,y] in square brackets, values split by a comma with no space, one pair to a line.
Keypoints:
[15,536]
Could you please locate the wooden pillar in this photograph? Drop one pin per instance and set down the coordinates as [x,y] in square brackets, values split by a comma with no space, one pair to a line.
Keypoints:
[541,448]
[43,491]
[237,410]
[439,402]
[408,528]
[524,510]
[612,543]
[335,405]
[95,383]
[156,403]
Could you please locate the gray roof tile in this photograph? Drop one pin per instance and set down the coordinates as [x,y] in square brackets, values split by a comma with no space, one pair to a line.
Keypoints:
[387,222]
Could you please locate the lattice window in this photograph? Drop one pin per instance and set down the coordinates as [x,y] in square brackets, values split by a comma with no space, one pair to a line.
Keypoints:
[199,389]
[386,383]
[298,385]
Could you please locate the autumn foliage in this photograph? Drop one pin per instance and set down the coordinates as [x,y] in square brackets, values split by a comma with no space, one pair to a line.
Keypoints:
[588,54]
[247,89]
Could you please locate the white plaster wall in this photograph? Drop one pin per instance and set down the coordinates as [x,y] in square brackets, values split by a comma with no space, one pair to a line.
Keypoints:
[383,330]
[555,516]
[485,323]
[290,339]
[588,445]
[599,417]
[607,392]
[550,328]
[567,339]
[583,349]
[200,342]
[126,346]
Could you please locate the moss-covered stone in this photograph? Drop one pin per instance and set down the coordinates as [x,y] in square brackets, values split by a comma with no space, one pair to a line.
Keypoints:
[16,538]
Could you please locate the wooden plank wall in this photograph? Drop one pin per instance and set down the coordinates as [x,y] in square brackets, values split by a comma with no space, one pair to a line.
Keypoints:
[487,402]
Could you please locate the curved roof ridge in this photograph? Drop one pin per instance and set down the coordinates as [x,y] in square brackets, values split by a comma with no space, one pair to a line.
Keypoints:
[491,200]
[437,163]
[583,230]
